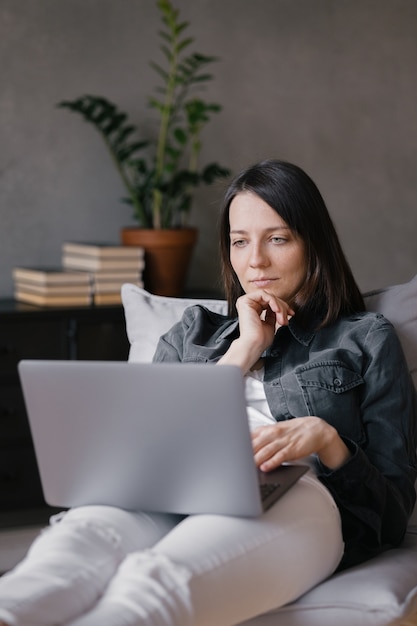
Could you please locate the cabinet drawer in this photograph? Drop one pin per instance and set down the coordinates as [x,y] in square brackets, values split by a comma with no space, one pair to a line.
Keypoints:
[101,341]
[13,420]
[43,339]
[19,479]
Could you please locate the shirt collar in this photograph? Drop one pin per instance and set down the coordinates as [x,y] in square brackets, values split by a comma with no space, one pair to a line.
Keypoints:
[302,335]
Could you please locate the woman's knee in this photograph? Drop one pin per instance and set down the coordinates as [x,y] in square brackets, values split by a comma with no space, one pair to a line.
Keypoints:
[130,530]
[81,536]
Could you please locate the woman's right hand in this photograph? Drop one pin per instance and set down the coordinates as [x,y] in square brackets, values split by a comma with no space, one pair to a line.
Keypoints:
[260,314]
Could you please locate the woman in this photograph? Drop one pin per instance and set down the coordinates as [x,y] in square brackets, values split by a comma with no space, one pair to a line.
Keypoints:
[325,382]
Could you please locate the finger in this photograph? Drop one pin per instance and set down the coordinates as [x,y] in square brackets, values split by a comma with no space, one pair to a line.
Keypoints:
[281,309]
[281,318]
[266,450]
[283,315]
[256,444]
[275,460]
[270,464]
[261,436]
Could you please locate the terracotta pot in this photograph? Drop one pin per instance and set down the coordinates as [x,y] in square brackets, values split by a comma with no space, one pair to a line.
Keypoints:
[167,256]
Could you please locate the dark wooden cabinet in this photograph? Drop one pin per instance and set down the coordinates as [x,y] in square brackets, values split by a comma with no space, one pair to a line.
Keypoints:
[29,332]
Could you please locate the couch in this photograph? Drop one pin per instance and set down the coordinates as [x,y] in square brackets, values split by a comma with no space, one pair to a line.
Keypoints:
[381,592]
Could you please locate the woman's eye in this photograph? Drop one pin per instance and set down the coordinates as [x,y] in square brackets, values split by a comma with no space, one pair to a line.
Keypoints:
[238,242]
[278,239]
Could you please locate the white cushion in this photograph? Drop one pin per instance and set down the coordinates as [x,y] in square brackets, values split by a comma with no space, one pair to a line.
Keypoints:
[149,316]
[377,593]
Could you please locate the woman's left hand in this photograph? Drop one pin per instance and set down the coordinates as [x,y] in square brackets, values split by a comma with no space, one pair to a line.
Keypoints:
[295,439]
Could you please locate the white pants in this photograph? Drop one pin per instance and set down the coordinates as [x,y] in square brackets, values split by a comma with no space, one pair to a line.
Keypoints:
[103,566]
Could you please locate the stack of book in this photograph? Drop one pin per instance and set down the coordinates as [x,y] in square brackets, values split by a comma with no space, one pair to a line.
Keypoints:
[108,266]
[48,286]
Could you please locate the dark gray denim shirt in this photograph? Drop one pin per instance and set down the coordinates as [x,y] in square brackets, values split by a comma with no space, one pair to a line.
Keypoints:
[353,375]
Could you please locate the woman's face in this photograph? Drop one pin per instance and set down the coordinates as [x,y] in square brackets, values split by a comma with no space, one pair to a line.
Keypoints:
[264,252]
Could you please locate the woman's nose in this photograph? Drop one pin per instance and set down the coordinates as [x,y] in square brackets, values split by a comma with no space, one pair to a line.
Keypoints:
[258,257]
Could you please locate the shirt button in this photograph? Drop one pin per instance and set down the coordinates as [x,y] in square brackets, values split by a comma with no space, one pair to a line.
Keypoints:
[337,382]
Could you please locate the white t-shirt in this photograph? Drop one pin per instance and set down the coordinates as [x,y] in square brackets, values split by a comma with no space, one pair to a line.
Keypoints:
[257,405]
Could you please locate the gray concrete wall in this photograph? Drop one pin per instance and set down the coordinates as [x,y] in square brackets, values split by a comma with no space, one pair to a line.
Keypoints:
[328,84]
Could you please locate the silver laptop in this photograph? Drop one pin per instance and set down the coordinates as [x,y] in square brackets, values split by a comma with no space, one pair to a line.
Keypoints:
[152,437]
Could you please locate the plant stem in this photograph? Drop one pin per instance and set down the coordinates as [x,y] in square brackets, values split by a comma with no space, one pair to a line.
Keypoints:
[163,129]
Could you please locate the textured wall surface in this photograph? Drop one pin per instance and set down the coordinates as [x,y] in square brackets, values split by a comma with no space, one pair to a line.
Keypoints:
[328,84]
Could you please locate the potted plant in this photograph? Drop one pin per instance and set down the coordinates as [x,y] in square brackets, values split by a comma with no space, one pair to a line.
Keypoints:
[160,174]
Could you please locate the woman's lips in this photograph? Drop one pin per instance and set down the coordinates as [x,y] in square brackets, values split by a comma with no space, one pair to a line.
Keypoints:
[262,282]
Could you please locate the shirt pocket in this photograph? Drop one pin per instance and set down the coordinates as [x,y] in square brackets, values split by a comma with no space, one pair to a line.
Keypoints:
[331,390]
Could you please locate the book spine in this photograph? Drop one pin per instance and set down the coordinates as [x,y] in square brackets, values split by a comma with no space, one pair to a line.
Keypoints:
[103,252]
[53,290]
[45,300]
[50,277]
[91,264]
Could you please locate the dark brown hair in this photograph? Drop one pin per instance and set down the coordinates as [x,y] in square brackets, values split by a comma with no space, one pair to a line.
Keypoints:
[330,289]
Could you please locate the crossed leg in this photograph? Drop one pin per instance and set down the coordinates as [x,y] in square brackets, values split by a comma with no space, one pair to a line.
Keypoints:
[220,570]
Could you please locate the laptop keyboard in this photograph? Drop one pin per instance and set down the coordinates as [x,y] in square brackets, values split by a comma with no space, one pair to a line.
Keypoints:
[267,489]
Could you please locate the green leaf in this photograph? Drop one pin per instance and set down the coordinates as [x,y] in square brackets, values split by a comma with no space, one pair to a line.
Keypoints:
[139,165]
[124,134]
[100,117]
[213,171]
[159,70]
[127,151]
[202,58]
[173,152]
[180,135]
[114,123]
[180,27]
[202,78]
[167,52]
[156,104]
[184,43]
